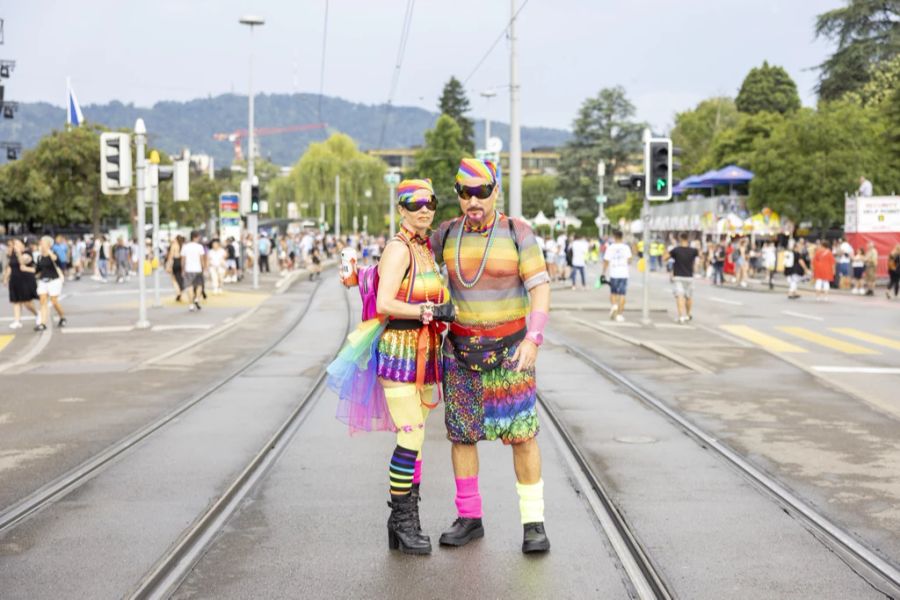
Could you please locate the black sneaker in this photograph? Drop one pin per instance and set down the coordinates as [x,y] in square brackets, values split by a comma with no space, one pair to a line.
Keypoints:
[197,304]
[462,532]
[534,538]
[40,327]
[62,322]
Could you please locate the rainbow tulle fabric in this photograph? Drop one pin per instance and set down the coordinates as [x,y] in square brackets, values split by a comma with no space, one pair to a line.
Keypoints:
[353,376]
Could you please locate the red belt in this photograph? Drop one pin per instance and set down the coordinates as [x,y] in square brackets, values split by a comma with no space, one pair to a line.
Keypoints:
[498,331]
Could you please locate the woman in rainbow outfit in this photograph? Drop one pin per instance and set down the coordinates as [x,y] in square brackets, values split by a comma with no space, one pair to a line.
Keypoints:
[386,373]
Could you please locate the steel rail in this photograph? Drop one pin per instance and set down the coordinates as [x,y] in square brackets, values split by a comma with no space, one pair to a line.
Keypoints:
[641,571]
[854,552]
[77,476]
[176,564]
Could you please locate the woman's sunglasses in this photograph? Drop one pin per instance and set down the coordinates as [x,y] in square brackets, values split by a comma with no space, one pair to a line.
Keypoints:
[482,192]
[418,204]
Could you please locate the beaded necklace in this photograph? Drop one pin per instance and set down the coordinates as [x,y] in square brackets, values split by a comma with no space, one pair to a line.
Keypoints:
[487,251]
[420,252]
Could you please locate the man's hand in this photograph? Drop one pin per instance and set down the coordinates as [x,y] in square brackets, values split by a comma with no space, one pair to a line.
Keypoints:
[525,355]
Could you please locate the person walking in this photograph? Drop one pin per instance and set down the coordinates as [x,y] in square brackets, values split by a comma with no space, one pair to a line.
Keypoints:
[580,249]
[684,258]
[265,248]
[122,256]
[718,263]
[501,290]
[616,263]
[823,270]
[18,274]
[49,283]
[769,259]
[194,256]
[859,270]
[871,268]
[844,254]
[796,264]
[174,266]
[217,259]
[894,272]
[386,374]
[63,254]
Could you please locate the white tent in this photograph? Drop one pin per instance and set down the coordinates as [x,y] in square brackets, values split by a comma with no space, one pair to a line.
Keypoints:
[540,219]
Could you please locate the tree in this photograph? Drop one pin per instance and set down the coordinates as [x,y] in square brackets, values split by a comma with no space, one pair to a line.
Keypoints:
[313,181]
[884,80]
[812,159]
[454,103]
[767,89]
[603,130]
[867,33]
[737,144]
[695,130]
[538,192]
[438,160]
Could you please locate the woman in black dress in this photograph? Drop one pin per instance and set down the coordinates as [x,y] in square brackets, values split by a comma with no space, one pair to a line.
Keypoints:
[19,274]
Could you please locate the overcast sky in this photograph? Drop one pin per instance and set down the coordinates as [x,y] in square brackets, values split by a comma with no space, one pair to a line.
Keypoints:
[143,52]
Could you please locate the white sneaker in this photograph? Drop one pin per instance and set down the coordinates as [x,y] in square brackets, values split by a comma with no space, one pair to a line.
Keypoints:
[15,325]
[192,308]
[612,312]
[620,319]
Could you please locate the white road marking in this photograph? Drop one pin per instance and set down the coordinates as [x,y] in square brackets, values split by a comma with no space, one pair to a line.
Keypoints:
[107,329]
[864,370]
[35,349]
[802,315]
[724,301]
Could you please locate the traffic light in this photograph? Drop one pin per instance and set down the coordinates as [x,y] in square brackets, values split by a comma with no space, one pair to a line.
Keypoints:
[254,199]
[635,183]
[659,169]
[115,163]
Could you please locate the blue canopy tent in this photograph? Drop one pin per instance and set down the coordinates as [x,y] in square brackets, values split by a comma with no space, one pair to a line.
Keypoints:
[730,175]
[690,183]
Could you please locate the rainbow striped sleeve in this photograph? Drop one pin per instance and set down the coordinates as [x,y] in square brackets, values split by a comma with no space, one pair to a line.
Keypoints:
[532,268]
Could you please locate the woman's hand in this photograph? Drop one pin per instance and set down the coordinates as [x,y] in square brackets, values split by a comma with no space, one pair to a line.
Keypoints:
[426,312]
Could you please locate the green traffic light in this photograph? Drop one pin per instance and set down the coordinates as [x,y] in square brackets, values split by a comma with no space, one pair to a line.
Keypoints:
[660,184]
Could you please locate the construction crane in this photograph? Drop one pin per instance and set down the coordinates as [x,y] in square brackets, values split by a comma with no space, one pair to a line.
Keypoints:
[237,137]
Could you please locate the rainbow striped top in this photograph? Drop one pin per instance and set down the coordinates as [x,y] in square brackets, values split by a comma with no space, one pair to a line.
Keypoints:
[501,295]
[428,286]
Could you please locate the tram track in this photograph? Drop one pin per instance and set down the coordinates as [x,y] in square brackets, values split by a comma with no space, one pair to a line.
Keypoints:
[74,478]
[164,578]
[878,572]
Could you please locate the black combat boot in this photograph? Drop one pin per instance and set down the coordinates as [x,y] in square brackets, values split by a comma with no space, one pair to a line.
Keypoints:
[402,532]
[535,538]
[414,492]
[462,532]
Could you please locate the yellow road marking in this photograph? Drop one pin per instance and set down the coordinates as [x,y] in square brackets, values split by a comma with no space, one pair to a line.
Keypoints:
[827,341]
[757,337]
[5,340]
[868,337]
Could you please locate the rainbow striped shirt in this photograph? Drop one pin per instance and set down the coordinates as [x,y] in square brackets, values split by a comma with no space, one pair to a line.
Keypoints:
[501,295]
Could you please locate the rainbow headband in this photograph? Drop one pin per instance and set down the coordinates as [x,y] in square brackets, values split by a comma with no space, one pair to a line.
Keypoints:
[470,168]
[411,188]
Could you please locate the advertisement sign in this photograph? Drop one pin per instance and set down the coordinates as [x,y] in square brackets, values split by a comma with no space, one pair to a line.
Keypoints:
[230,215]
[878,214]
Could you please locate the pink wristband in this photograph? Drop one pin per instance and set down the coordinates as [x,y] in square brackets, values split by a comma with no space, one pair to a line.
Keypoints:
[537,322]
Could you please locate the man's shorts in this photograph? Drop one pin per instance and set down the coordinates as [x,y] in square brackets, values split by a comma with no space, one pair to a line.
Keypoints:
[618,286]
[488,405]
[50,287]
[683,287]
[194,279]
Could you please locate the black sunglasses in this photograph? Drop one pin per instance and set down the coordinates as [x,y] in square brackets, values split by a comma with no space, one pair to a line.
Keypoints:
[482,192]
[417,205]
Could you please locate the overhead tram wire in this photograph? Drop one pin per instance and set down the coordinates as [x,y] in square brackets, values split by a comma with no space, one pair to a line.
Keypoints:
[322,66]
[395,80]
[502,35]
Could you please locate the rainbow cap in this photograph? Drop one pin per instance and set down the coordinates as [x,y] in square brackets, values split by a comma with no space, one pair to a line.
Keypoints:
[414,188]
[478,168]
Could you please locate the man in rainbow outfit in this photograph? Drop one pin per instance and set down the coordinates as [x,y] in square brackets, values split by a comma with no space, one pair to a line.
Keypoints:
[497,278]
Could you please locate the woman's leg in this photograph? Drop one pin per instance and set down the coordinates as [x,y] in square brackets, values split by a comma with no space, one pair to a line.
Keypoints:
[44,317]
[17,311]
[57,307]
[405,405]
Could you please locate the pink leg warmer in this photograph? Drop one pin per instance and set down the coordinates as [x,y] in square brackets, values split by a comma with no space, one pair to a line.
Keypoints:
[417,472]
[468,500]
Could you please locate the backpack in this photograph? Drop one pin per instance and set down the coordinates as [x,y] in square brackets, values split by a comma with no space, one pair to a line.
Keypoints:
[368,286]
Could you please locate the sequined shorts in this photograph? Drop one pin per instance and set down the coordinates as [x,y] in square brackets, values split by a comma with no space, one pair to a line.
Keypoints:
[489,405]
[397,356]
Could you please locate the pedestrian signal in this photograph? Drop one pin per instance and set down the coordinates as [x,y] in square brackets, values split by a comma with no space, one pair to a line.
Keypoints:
[254,199]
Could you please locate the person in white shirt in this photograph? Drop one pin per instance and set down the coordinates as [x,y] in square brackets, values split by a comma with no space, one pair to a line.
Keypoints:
[193,261]
[580,249]
[550,250]
[616,261]
[216,259]
[865,187]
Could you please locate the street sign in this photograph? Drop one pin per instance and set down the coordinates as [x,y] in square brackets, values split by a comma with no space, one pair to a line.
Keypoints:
[392,179]
[601,199]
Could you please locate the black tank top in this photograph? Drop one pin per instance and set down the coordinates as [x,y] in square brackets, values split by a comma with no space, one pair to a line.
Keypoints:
[46,268]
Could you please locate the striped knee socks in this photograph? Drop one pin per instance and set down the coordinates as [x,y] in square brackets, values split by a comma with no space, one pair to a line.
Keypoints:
[403,464]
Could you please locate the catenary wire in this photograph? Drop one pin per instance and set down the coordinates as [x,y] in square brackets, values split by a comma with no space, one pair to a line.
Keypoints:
[322,66]
[494,45]
[398,64]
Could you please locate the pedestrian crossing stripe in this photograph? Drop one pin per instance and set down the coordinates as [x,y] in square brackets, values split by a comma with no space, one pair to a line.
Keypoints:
[868,337]
[827,341]
[5,340]
[762,339]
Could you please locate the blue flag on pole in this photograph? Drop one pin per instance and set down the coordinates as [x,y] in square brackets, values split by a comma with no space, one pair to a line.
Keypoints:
[73,109]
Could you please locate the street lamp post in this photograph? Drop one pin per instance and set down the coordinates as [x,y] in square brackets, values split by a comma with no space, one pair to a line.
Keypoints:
[252,223]
[140,141]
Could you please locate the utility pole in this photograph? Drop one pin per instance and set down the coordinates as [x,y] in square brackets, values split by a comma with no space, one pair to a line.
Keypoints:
[487,95]
[337,208]
[252,222]
[645,217]
[140,140]
[515,140]
[154,240]
[392,180]
[601,199]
